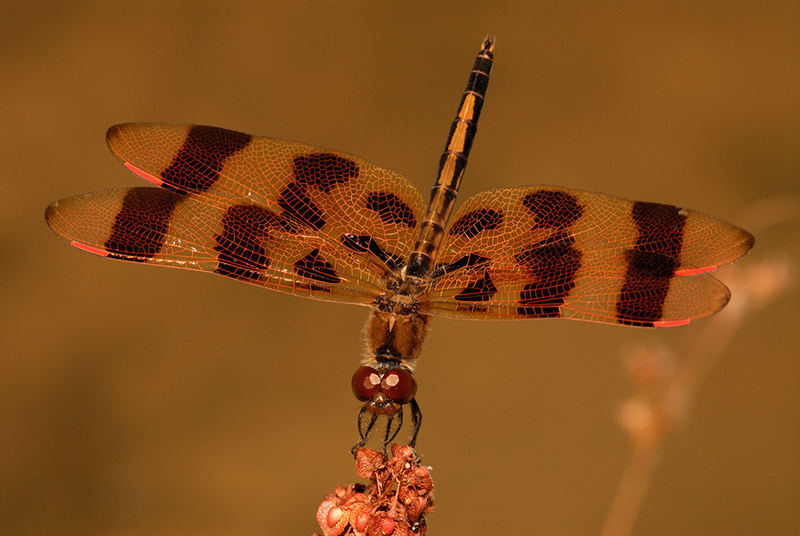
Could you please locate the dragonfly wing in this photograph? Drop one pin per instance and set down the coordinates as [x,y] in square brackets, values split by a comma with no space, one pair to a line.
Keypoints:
[283,215]
[549,252]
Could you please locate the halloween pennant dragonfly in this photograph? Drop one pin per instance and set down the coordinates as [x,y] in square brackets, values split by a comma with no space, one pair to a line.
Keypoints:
[326,225]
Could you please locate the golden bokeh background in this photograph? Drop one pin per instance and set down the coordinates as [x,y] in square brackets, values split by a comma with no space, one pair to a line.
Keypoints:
[137,401]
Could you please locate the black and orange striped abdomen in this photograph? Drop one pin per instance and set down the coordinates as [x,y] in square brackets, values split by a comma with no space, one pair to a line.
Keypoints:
[452,163]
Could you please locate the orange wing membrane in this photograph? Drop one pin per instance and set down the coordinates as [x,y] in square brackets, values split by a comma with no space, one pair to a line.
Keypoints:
[283,215]
[549,252]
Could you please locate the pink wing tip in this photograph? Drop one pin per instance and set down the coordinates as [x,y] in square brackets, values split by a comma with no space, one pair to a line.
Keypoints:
[143,174]
[89,249]
[670,323]
[695,271]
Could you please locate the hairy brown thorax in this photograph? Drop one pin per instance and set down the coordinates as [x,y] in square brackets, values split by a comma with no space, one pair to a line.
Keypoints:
[395,337]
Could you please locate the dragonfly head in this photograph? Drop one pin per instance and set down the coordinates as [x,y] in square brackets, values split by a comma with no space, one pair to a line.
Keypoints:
[384,390]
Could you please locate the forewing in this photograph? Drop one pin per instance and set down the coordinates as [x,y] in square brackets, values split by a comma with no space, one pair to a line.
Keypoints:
[279,214]
[549,252]
[329,194]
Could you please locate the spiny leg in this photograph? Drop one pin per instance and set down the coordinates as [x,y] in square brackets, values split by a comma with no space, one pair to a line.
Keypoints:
[416,419]
[363,432]
[390,435]
[389,421]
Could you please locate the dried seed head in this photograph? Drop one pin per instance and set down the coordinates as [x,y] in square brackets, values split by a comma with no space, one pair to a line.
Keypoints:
[400,492]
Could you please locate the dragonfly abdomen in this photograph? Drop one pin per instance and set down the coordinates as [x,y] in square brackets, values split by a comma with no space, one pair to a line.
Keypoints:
[452,164]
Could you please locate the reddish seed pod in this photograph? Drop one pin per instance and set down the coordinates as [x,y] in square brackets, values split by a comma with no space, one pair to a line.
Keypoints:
[365,383]
[368,462]
[399,385]
[380,526]
[361,521]
[387,525]
[334,515]
[332,519]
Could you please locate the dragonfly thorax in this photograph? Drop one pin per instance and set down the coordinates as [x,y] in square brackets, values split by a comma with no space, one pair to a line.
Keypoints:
[394,335]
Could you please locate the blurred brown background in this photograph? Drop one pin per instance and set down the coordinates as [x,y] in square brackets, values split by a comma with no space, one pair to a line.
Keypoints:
[138,401]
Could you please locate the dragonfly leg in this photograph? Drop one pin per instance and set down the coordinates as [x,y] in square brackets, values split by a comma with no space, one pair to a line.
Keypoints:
[416,418]
[391,434]
[362,430]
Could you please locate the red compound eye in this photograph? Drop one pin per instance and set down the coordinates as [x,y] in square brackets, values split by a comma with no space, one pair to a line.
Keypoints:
[399,385]
[366,381]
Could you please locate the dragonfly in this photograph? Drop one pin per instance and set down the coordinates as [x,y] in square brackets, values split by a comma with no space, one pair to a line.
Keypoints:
[330,226]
